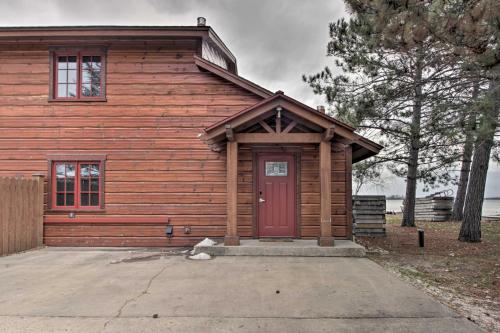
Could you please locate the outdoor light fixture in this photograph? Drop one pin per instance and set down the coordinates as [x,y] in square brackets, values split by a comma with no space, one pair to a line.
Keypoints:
[169,230]
[187,229]
[279,111]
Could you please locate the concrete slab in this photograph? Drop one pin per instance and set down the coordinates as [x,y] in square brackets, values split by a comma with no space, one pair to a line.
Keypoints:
[117,291]
[295,248]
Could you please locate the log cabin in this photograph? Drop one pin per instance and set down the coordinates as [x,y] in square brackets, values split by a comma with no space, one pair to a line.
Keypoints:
[147,136]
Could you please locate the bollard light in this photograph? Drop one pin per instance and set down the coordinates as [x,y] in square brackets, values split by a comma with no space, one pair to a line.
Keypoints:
[420,238]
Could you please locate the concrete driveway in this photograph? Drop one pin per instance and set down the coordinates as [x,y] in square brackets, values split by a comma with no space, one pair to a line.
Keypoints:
[81,290]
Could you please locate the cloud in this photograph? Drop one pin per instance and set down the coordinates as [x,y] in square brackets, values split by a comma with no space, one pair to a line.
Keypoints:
[176,7]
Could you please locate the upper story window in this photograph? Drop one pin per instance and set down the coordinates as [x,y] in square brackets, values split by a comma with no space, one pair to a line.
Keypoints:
[78,76]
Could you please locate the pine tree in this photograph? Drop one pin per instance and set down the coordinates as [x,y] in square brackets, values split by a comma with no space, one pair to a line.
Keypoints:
[365,172]
[468,126]
[395,82]
[470,230]
[471,29]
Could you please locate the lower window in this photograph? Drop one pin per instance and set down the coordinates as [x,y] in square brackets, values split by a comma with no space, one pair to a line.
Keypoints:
[77,185]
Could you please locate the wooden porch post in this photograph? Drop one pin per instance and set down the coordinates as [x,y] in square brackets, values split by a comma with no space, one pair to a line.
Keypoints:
[325,171]
[348,190]
[232,238]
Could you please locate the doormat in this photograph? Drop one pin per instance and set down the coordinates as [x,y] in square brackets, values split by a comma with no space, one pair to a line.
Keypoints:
[275,240]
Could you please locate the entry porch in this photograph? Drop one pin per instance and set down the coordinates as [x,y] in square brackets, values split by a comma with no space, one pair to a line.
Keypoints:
[276,132]
[293,248]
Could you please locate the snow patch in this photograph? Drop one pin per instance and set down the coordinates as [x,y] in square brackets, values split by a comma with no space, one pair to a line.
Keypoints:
[206,242]
[201,256]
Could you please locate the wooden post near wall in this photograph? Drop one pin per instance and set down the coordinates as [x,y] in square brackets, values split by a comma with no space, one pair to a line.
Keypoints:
[38,228]
[348,189]
[325,170]
[232,238]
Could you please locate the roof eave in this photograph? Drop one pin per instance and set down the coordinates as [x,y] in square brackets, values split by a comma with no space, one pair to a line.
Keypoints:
[367,149]
[232,77]
[56,34]
[102,31]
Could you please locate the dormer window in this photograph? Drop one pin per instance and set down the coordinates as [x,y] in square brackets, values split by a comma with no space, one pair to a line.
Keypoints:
[78,76]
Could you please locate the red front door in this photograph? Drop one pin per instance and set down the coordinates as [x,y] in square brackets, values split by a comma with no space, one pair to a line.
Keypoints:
[276,195]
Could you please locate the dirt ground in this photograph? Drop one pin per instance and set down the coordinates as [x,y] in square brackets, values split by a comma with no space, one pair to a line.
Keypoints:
[464,276]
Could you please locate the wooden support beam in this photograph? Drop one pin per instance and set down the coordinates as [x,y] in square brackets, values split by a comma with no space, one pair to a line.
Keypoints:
[290,126]
[232,238]
[348,190]
[309,126]
[229,133]
[325,175]
[266,127]
[278,137]
[298,112]
[328,134]
[278,120]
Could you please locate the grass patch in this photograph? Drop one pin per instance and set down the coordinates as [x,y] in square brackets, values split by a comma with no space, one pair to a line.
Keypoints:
[491,232]
[412,273]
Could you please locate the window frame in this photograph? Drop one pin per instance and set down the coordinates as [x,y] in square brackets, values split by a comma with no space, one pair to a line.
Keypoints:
[79,53]
[77,160]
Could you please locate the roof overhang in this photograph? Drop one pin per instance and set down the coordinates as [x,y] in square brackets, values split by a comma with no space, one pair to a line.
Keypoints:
[110,33]
[231,77]
[321,126]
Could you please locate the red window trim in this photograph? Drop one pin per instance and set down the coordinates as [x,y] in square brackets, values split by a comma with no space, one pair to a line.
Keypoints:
[79,53]
[78,160]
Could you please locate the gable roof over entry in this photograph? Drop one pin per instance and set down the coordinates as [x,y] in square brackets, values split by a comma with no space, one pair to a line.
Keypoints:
[316,123]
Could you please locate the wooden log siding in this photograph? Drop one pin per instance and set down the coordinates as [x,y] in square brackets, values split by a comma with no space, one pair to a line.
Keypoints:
[157,170]
[158,101]
[310,192]
[21,214]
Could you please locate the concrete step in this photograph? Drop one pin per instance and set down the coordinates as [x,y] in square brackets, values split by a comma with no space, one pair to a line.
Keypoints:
[296,248]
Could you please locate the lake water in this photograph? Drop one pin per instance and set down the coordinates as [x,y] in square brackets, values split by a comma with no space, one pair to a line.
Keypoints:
[491,207]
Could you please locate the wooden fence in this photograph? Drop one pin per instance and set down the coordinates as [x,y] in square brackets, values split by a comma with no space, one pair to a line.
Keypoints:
[21,214]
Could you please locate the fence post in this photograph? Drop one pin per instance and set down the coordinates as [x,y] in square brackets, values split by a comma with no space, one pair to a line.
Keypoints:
[39,178]
[3,217]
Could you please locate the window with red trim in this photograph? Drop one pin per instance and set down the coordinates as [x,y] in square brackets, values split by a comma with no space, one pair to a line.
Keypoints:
[76,185]
[78,76]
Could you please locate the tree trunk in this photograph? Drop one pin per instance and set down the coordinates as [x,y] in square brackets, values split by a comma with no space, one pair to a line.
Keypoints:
[411,177]
[458,204]
[470,230]
[358,187]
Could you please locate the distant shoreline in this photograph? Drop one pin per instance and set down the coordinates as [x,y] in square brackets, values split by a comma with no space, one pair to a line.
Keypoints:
[491,206]
[401,198]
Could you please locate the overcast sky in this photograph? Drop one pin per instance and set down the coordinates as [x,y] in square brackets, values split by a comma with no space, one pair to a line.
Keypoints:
[275,42]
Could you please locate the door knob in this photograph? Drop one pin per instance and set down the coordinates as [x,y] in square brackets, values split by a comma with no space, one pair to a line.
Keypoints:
[261,200]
